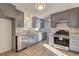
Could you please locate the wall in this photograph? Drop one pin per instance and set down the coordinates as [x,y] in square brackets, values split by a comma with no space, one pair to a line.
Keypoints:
[5,35]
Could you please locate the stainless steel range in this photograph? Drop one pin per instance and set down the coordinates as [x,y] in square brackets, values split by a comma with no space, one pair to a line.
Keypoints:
[61,37]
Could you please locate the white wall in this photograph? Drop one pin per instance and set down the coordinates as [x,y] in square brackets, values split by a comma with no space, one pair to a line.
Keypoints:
[5,35]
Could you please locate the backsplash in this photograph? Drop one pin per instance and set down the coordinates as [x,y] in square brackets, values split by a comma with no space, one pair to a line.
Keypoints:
[64,26]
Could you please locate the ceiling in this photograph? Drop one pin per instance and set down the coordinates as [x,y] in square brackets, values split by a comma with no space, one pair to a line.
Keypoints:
[29,8]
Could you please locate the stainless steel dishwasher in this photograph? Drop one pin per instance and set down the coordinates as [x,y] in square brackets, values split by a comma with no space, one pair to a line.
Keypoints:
[24,41]
[21,42]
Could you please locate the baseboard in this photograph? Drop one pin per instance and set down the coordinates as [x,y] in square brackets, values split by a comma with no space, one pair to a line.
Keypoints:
[5,51]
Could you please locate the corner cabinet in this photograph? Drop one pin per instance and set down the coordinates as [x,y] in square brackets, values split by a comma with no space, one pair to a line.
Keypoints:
[19,18]
[7,10]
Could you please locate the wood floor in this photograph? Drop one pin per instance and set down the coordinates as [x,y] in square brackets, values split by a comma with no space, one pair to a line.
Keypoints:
[37,50]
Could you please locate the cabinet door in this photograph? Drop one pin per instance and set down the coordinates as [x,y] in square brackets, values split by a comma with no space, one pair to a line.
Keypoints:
[1,9]
[74,46]
[42,23]
[11,10]
[53,23]
[73,22]
[62,16]
[44,35]
[0,12]
[7,10]
[19,19]
[35,22]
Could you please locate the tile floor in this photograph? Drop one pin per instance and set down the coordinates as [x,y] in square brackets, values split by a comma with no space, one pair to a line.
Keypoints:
[37,50]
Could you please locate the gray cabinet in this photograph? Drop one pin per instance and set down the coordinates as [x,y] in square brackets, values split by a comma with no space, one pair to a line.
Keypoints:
[19,18]
[53,23]
[74,19]
[64,15]
[38,23]
[74,43]
[32,40]
[42,23]
[44,35]
[35,22]
[7,10]
[0,12]
[71,15]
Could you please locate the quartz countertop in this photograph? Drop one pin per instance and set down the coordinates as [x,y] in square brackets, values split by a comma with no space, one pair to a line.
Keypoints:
[26,33]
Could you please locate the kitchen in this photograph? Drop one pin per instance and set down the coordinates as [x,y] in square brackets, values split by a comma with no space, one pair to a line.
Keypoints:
[58,28]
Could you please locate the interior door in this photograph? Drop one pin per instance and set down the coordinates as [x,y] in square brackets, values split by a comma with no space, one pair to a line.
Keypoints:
[5,35]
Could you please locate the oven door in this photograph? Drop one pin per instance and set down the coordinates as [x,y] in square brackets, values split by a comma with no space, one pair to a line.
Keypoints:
[62,41]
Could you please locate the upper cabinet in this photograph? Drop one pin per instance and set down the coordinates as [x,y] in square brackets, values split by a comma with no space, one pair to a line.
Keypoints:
[38,23]
[53,23]
[42,23]
[7,10]
[71,15]
[61,16]
[74,18]
[35,22]
[19,18]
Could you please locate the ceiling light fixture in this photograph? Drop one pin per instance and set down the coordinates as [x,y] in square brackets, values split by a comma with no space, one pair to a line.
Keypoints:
[40,6]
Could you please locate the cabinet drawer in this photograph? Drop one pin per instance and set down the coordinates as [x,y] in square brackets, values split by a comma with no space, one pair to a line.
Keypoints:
[74,42]
[74,48]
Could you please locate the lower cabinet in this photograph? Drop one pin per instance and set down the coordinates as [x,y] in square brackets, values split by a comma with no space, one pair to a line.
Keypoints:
[44,35]
[74,43]
[32,39]
[25,41]
[51,39]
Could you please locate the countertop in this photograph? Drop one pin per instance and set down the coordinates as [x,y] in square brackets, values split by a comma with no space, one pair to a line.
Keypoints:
[26,33]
